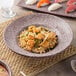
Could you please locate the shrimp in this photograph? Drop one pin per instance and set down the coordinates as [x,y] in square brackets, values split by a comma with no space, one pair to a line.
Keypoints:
[45,44]
[40,36]
[30,28]
[31,37]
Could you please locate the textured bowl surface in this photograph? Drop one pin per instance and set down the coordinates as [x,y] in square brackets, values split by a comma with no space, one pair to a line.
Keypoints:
[61,28]
[6,67]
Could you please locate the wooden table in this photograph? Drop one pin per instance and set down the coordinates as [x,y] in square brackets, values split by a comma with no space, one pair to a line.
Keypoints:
[63,68]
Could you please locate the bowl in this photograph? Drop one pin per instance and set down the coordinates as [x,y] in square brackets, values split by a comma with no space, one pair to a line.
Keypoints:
[73,65]
[5,65]
[58,25]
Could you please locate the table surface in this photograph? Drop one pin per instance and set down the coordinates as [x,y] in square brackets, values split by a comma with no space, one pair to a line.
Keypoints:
[63,68]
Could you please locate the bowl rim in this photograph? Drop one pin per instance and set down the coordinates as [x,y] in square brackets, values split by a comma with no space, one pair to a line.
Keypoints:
[6,66]
[37,55]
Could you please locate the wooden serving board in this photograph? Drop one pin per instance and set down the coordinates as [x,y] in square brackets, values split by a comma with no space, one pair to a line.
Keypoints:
[60,12]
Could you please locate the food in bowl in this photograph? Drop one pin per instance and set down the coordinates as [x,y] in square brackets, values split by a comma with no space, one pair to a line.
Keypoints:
[3,71]
[37,39]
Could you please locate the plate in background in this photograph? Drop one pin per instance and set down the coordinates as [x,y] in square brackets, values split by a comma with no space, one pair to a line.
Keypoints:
[60,12]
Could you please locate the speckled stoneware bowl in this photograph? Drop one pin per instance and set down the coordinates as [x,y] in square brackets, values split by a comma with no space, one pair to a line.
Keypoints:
[61,28]
[5,65]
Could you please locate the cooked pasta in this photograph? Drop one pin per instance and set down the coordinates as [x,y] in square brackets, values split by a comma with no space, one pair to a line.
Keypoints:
[37,39]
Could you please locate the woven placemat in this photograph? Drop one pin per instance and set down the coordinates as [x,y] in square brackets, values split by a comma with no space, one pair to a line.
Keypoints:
[30,66]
